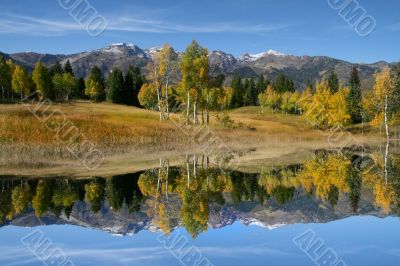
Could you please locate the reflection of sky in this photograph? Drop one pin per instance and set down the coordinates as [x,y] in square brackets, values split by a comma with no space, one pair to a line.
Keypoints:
[357,241]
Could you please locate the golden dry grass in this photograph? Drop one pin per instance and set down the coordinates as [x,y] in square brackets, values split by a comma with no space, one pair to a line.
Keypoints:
[131,138]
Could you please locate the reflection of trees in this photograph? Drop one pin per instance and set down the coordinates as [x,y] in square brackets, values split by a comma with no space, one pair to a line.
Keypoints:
[194,211]
[324,171]
[194,198]
[42,200]
[21,197]
[280,182]
[283,194]
[58,196]
[196,187]
[156,184]
[383,177]
[330,174]
[124,189]
[94,193]
[5,204]
[183,195]
[354,182]
[333,195]
[246,187]
[64,196]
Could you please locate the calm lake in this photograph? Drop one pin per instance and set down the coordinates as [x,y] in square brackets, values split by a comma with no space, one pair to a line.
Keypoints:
[331,209]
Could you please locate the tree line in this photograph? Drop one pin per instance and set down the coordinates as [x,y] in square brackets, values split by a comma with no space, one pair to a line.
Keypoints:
[59,83]
[328,103]
[184,83]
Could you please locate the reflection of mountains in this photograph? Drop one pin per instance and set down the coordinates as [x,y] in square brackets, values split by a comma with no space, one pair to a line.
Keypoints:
[328,187]
[302,209]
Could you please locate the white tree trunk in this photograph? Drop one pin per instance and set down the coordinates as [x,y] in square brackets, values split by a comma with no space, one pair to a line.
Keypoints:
[159,102]
[195,111]
[166,180]
[158,181]
[167,97]
[187,171]
[188,109]
[387,137]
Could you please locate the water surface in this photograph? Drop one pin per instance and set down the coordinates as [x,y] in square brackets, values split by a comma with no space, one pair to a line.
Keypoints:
[334,207]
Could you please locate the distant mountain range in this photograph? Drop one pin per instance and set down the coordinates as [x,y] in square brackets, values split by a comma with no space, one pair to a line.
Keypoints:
[271,63]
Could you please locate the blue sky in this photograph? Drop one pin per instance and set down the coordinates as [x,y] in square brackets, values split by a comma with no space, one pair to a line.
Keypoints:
[309,27]
[357,241]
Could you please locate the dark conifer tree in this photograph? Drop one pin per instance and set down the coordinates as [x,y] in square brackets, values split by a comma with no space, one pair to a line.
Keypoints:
[5,79]
[247,92]
[333,82]
[261,84]
[282,84]
[115,84]
[56,69]
[79,92]
[133,81]
[250,95]
[355,97]
[253,92]
[237,86]
[68,68]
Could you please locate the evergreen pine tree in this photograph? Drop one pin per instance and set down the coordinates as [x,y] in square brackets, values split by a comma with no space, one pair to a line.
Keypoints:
[5,79]
[79,92]
[282,84]
[128,92]
[68,68]
[115,83]
[333,82]
[247,92]
[261,84]
[253,92]
[56,69]
[133,82]
[237,97]
[355,97]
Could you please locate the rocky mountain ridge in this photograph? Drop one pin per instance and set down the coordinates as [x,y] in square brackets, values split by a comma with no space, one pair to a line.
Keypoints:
[270,63]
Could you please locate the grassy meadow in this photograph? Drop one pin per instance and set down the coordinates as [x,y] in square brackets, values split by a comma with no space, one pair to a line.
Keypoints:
[134,139]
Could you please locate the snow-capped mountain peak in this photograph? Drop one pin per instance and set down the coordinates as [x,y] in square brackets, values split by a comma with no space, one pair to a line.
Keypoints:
[122,44]
[152,51]
[256,222]
[273,52]
[254,57]
[119,47]
[123,49]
